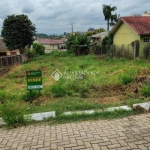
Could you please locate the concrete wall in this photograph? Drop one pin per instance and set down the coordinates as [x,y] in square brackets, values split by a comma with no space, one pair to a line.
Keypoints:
[51,47]
[143,44]
[9,52]
[124,35]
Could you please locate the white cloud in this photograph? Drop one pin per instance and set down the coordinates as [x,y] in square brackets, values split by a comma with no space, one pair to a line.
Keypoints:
[56,16]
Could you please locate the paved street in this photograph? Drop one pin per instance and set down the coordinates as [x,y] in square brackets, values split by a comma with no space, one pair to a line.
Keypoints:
[120,134]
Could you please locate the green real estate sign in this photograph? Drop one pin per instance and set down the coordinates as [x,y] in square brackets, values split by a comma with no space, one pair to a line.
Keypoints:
[34,80]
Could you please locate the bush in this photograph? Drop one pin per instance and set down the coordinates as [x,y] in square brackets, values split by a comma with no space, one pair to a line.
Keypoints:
[58,89]
[146,51]
[126,78]
[145,90]
[12,113]
[39,48]
[78,44]
[31,53]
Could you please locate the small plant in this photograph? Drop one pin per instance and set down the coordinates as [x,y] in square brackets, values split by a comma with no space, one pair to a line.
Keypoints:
[126,78]
[13,113]
[58,89]
[145,90]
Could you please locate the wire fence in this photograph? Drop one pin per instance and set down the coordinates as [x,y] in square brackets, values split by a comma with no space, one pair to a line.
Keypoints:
[128,51]
[7,62]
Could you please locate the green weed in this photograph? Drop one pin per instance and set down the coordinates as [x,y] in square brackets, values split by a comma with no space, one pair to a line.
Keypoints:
[145,90]
[12,112]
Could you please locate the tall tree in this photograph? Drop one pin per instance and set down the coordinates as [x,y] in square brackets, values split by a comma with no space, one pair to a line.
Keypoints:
[114,19]
[107,11]
[18,32]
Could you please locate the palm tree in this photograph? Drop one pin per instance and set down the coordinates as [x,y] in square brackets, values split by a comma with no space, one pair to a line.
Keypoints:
[114,19]
[107,9]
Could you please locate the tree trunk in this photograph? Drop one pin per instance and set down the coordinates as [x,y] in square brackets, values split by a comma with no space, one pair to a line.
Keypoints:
[107,24]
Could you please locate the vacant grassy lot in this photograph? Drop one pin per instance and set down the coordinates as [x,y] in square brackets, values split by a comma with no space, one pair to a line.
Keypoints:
[87,83]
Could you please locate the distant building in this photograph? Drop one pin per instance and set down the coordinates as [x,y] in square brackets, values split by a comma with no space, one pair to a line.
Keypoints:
[4,51]
[146,13]
[52,44]
[98,37]
[132,29]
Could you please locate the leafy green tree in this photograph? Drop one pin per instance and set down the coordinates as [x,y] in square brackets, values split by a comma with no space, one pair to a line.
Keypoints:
[79,44]
[107,11]
[18,32]
[39,48]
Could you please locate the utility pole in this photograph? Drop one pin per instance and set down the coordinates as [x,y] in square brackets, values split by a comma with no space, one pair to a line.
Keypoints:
[72,28]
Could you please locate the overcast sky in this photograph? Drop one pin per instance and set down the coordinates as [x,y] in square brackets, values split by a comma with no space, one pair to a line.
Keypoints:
[56,16]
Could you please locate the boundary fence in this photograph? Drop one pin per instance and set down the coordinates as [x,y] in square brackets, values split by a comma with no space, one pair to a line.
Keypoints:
[7,62]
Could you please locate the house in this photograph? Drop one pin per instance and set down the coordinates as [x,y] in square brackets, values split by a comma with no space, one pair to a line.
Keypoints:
[52,44]
[4,51]
[98,37]
[132,29]
[146,13]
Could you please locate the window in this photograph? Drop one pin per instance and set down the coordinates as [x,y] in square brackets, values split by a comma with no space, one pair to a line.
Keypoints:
[3,54]
[146,39]
[13,53]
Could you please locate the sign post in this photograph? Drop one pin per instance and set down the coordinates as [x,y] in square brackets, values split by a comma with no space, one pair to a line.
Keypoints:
[34,80]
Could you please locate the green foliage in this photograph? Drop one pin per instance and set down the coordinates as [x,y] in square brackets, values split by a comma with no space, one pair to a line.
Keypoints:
[146,51]
[127,78]
[56,54]
[107,11]
[29,96]
[145,90]
[96,115]
[108,40]
[12,112]
[78,44]
[18,32]
[53,36]
[31,53]
[58,89]
[39,48]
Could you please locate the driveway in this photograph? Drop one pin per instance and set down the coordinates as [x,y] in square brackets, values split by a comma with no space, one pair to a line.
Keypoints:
[119,134]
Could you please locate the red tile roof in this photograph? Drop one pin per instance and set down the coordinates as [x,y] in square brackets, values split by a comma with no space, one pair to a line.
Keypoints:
[47,41]
[139,24]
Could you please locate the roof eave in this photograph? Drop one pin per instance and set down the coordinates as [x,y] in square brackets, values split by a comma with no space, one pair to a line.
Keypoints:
[114,29]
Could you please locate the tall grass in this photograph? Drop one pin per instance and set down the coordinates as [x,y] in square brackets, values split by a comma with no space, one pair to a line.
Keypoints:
[13,113]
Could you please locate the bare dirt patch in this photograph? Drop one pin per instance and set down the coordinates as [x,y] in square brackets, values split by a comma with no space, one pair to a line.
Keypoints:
[117,93]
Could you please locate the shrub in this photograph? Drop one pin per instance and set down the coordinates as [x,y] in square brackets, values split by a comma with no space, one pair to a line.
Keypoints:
[31,53]
[127,78]
[145,90]
[39,48]
[146,51]
[58,89]
[12,113]
[78,44]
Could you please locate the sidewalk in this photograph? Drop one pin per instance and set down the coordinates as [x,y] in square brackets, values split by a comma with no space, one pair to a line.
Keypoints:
[120,134]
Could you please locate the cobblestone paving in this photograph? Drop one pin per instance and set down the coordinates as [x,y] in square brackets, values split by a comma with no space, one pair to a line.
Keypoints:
[132,133]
